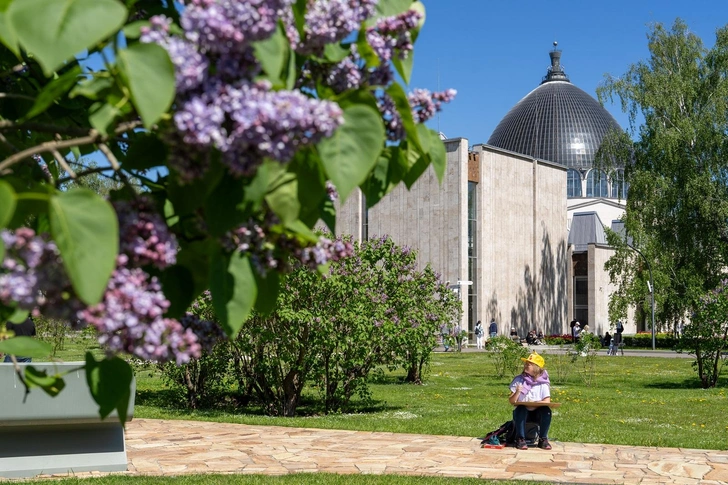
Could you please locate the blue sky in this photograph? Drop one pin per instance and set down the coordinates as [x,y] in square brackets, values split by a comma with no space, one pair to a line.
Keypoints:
[496,52]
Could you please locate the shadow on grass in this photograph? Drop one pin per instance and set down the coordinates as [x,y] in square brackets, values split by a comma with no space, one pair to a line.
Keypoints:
[692,383]
[174,401]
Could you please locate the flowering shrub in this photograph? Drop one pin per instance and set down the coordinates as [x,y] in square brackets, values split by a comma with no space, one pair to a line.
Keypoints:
[706,335]
[241,120]
[505,354]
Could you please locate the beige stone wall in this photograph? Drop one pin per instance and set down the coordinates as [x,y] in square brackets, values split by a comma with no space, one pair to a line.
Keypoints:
[430,217]
[523,242]
[521,233]
[600,289]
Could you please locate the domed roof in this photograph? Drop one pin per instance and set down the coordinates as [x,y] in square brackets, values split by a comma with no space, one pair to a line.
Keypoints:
[557,121]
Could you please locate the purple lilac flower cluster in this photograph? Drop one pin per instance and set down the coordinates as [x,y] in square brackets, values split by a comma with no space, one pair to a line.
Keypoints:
[220,106]
[208,333]
[425,104]
[224,27]
[324,251]
[130,318]
[392,120]
[32,276]
[144,236]
[328,21]
[393,34]
[268,252]
[331,191]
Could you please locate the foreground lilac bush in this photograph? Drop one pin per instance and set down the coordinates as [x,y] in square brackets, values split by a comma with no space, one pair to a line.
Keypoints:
[228,128]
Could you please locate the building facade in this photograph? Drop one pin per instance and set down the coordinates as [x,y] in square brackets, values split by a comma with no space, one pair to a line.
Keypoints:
[517,226]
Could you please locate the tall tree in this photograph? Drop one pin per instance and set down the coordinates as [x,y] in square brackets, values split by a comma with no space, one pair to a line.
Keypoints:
[677,208]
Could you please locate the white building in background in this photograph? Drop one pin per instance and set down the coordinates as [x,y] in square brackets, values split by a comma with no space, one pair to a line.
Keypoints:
[521,217]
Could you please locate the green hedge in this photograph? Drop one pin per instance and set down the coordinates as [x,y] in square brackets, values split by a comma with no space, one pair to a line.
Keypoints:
[644,341]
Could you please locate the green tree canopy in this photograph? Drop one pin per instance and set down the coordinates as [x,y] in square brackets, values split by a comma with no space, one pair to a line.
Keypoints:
[677,170]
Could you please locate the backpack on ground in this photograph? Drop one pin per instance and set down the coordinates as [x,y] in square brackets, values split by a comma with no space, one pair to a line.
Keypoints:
[506,434]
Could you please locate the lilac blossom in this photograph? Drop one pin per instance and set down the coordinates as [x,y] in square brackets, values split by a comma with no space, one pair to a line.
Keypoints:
[190,65]
[33,278]
[225,26]
[250,122]
[130,318]
[392,120]
[328,21]
[144,236]
[392,34]
[425,104]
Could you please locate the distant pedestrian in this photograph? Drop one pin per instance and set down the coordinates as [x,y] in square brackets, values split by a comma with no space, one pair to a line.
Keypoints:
[493,328]
[445,335]
[479,334]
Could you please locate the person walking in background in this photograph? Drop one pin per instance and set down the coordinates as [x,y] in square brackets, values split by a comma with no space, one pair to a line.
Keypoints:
[24,329]
[577,332]
[493,328]
[445,334]
[479,334]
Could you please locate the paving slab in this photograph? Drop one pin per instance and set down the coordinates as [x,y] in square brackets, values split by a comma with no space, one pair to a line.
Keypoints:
[174,447]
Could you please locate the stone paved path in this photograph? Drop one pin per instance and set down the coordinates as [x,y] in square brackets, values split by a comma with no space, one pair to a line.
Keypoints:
[162,447]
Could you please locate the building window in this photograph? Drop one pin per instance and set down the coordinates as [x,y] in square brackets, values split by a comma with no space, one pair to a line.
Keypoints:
[472,290]
[581,299]
[573,183]
[596,184]
[619,186]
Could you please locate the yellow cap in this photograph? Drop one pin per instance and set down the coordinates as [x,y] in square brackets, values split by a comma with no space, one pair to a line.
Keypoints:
[534,358]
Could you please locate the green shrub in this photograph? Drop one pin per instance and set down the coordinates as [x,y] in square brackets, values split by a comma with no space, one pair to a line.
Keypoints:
[505,354]
[643,340]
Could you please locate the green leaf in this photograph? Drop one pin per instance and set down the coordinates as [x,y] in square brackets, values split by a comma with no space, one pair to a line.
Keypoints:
[145,151]
[92,88]
[7,203]
[52,91]
[391,8]
[109,381]
[52,384]
[417,163]
[133,30]
[268,288]
[7,31]
[399,97]
[282,197]
[273,54]
[86,231]
[353,150]
[150,74]
[335,52]
[328,215]
[178,287]
[53,31]
[256,191]
[2,250]
[26,347]
[18,316]
[221,208]
[311,184]
[377,185]
[233,289]
[404,66]
[438,155]
[101,115]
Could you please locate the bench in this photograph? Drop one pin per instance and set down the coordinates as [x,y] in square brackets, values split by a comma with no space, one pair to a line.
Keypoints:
[62,434]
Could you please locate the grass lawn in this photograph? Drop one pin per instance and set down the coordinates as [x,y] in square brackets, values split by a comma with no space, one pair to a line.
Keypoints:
[295,479]
[649,401]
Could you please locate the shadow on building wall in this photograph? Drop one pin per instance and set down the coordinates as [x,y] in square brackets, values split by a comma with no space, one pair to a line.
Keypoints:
[547,295]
